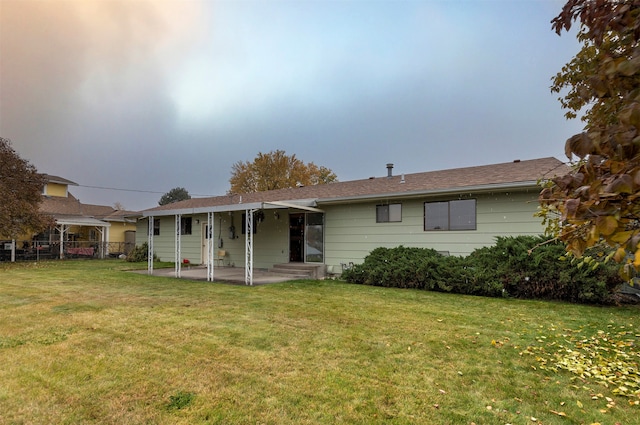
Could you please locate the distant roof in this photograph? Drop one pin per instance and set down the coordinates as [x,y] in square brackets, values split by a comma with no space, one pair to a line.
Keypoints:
[59,180]
[70,206]
[516,174]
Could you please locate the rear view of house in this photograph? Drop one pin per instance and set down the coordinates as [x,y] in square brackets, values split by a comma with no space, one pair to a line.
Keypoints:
[452,211]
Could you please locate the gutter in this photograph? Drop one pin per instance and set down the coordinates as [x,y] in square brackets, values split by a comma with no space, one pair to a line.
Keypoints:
[309,204]
[436,192]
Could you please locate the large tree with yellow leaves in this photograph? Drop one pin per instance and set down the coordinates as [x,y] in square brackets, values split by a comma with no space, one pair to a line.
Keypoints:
[276,170]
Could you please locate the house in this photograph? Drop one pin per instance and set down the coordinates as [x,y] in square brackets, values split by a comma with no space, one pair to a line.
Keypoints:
[82,230]
[452,211]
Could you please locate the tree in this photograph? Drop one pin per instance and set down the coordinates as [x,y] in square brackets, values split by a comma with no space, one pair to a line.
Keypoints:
[174,195]
[598,202]
[276,170]
[21,194]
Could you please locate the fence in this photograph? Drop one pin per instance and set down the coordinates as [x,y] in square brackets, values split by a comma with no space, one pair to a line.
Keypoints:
[42,250]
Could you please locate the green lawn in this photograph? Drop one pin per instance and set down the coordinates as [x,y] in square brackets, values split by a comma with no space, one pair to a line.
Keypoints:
[88,342]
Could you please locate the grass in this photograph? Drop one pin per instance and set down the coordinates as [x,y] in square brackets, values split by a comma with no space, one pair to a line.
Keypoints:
[87,342]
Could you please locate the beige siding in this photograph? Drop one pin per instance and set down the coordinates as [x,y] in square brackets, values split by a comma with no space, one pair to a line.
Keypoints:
[55,189]
[351,231]
[271,243]
[117,230]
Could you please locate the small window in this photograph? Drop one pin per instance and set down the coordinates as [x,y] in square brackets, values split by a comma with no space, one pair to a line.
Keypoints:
[244,223]
[156,226]
[388,213]
[450,215]
[185,225]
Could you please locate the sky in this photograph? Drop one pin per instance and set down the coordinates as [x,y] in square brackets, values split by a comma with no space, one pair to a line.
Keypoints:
[148,95]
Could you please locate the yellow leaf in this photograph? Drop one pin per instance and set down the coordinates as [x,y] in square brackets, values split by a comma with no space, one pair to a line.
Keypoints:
[579,404]
[619,255]
[636,259]
[622,237]
[606,224]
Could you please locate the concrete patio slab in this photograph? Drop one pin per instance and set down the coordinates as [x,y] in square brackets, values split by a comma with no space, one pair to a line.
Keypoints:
[234,275]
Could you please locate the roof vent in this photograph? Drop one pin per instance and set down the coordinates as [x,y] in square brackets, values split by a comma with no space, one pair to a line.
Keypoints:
[389,170]
[516,160]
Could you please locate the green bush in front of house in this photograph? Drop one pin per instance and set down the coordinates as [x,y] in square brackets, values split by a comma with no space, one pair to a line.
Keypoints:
[522,267]
[140,253]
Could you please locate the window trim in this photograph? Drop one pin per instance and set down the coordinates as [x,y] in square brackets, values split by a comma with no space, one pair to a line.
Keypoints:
[472,226]
[380,211]
[186,226]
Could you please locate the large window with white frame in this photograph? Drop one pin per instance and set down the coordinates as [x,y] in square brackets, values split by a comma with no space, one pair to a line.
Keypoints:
[459,214]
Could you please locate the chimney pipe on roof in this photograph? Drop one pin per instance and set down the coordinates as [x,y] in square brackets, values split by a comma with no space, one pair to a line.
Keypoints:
[389,170]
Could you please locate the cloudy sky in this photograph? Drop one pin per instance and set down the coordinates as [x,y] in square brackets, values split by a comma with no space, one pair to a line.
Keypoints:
[148,95]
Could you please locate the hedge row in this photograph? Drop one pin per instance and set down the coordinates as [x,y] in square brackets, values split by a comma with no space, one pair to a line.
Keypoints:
[508,268]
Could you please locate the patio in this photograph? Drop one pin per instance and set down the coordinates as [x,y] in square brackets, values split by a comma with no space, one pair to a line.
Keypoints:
[234,275]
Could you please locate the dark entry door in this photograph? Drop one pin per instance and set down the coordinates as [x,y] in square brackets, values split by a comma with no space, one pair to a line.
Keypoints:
[296,238]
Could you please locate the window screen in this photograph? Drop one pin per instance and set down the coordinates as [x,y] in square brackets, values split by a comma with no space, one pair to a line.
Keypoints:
[388,213]
[450,215]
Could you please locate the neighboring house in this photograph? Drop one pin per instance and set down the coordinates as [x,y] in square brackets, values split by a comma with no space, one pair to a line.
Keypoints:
[80,229]
[452,211]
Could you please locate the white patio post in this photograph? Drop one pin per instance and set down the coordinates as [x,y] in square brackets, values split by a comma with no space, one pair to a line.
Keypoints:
[62,226]
[105,243]
[178,251]
[150,246]
[13,250]
[248,250]
[210,245]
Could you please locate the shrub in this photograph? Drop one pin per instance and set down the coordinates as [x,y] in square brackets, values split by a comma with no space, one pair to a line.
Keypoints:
[533,267]
[140,253]
[510,267]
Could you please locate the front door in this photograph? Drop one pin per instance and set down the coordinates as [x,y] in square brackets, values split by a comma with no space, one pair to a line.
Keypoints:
[296,238]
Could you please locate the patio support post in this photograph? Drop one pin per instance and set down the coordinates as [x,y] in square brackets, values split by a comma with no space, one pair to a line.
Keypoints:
[13,250]
[150,246]
[248,248]
[105,242]
[210,245]
[178,257]
[62,226]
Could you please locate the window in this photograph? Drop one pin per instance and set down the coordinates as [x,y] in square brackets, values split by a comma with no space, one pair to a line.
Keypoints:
[156,226]
[388,213]
[450,215]
[256,219]
[185,225]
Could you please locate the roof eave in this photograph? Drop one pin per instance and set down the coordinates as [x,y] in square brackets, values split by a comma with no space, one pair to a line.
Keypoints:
[530,184]
[284,203]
